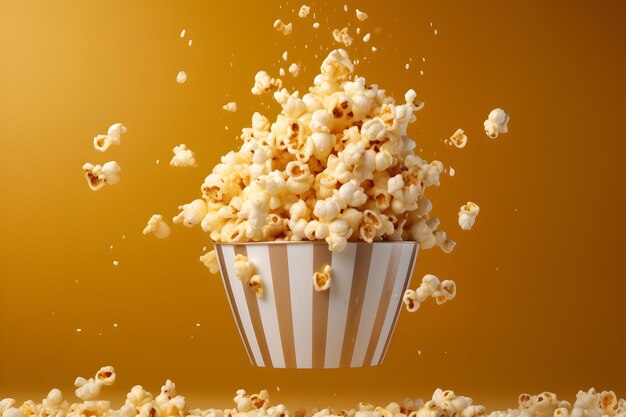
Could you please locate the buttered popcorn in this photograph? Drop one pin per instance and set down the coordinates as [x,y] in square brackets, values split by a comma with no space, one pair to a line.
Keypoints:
[336,165]
[322,280]
[98,176]
[443,403]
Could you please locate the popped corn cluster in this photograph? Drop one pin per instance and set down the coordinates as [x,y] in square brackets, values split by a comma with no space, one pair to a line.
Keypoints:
[98,176]
[141,403]
[431,286]
[336,165]
[113,137]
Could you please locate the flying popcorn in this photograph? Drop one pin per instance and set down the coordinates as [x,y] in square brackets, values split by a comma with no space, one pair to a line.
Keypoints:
[282,27]
[256,284]
[181,77]
[441,291]
[467,215]
[361,15]
[98,176]
[496,123]
[335,165]
[209,260]
[342,36]
[459,139]
[183,157]
[89,389]
[294,69]
[232,106]
[366,38]
[322,280]
[263,83]
[304,11]
[158,226]
[113,137]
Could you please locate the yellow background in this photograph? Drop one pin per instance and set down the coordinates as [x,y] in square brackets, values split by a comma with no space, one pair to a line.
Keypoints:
[540,278]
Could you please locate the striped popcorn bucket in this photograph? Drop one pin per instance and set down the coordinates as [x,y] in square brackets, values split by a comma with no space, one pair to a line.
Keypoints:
[295,326]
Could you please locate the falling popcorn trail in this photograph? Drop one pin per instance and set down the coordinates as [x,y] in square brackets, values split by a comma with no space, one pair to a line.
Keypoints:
[181,77]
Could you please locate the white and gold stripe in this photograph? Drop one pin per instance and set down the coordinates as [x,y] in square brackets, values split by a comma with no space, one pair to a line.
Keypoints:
[294,326]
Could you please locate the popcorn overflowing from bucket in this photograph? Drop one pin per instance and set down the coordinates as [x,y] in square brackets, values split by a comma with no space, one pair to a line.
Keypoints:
[444,403]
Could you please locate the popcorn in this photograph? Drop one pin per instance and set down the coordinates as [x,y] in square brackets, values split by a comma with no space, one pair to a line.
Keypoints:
[282,27]
[496,123]
[410,301]
[230,106]
[209,260]
[304,11]
[294,69]
[459,139]
[98,176]
[113,137]
[361,15]
[158,226]
[342,36]
[192,213]
[12,412]
[89,389]
[183,157]
[322,280]
[256,284]
[181,77]
[467,215]
[441,291]
[366,38]
[263,83]
[244,268]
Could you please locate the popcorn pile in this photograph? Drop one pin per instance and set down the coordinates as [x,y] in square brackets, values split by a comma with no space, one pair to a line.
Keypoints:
[336,165]
[141,403]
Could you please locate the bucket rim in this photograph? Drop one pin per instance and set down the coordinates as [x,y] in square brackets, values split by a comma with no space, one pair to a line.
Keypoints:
[312,242]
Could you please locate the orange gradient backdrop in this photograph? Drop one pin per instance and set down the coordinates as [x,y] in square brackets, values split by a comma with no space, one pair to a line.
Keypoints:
[541,286]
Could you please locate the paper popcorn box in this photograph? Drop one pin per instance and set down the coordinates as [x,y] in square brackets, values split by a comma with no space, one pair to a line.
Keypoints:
[295,326]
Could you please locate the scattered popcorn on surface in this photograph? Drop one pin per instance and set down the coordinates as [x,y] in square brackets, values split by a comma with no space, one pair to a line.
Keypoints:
[181,77]
[443,403]
[304,11]
[98,176]
[336,165]
[322,280]
[458,139]
[281,27]
[361,15]
[231,106]
[342,36]
[496,123]
[467,215]
[113,137]
[263,83]
[209,260]
[183,157]
[430,287]
[294,69]
[158,226]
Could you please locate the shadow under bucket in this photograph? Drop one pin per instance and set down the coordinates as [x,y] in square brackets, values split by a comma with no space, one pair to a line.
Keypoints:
[295,326]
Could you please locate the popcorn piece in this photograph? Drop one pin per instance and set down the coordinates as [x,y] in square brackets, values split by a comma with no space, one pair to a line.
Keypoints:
[285,55]
[322,280]
[282,27]
[158,226]
[209,260]
[459,139]
[98,176]
[496,123]
[256,284]
[281,72]
[316,25]
[467,215]
[244,268]
[263,83]
[182,33]
[183,157]
[192,213]
[90,389]
[294,69]
[342,36]
[304,11]
[366,38]
[181,77]
[361,15]
[231,106]
[410,301]
[113,137]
